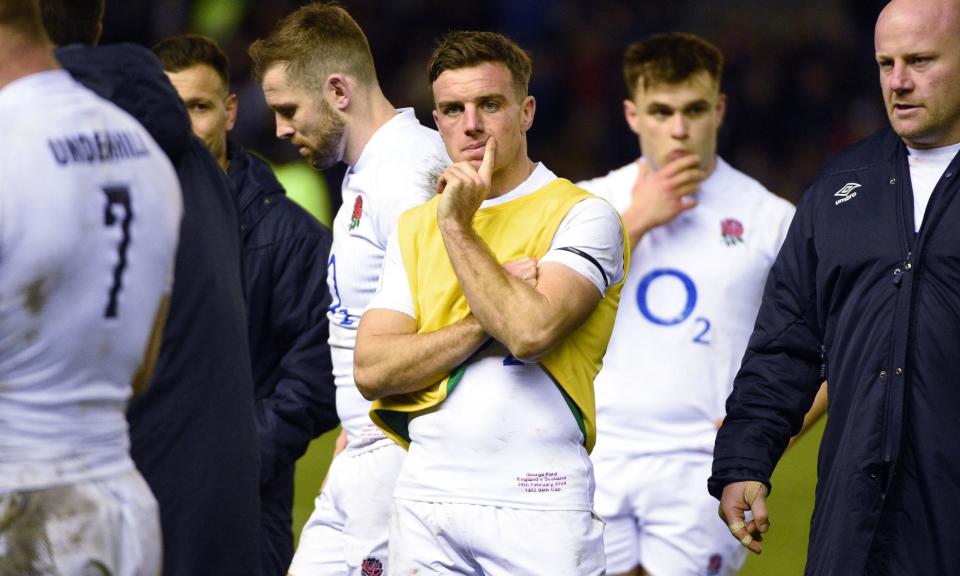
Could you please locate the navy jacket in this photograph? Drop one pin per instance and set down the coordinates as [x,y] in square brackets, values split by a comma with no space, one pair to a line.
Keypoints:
[857,297]
[192,433]
[285,252]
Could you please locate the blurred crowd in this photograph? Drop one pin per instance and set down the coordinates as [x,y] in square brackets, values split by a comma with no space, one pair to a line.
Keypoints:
[799,75]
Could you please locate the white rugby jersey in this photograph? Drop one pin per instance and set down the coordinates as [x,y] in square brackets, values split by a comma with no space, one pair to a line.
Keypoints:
[505,436]
[397,170]
[89,218]
[686,312]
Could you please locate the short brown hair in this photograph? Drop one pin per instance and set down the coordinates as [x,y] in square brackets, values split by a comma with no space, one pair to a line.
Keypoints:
[465,49]
[313,42]
[22,16]
[72,21]
[187,50]
[670,59]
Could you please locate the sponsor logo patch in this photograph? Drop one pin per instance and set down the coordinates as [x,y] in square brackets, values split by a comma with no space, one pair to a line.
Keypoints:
[732,231]
[848,192]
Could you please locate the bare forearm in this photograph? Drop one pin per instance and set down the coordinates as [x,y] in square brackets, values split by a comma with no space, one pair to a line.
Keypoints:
[389,364]
[510,310]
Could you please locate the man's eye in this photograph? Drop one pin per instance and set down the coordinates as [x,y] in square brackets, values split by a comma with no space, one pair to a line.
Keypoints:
[490,106]
[452,110]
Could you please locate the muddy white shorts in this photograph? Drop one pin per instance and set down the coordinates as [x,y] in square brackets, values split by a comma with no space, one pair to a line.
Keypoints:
[348,530]
[448,538]
[105,526]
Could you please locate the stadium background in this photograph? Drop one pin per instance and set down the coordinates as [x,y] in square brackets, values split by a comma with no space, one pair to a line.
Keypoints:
[800,80]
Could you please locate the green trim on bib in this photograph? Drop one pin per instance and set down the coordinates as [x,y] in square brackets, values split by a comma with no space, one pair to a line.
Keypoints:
[455,377]
[577,413]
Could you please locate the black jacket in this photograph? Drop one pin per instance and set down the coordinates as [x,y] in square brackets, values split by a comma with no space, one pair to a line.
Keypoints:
[285,252]
[857,297]
[192,433]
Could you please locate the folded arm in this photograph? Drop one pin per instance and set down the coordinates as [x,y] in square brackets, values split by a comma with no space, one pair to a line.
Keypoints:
[528,320]
[392,358]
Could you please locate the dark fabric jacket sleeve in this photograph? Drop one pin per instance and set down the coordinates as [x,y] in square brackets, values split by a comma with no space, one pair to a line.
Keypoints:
[301,405]
[781,368]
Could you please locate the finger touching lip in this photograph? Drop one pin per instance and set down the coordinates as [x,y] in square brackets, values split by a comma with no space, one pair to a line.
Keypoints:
[474,152]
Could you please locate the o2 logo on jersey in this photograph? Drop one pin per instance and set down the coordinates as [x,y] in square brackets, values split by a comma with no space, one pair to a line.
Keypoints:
[683,313]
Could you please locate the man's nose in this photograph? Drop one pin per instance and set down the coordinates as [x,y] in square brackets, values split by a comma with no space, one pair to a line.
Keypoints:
[472,120]
[284,129]
[679,128]
[900,79]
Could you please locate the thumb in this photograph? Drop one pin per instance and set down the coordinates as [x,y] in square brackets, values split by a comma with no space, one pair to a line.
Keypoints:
[486,165]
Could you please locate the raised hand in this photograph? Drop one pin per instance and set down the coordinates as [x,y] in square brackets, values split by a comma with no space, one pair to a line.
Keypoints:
[462,188]
[659,196]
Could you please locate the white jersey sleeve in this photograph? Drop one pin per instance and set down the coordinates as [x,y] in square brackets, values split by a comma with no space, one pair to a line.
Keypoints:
[394,292]
[590,241]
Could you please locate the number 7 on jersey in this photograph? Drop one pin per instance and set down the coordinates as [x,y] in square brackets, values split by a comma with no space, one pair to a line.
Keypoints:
[117,196]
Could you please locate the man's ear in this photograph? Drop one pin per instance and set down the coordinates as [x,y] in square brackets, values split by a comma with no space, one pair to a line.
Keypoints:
[339,91]
[721,107]
[527,111]
[436,118]
[631,116]
[230,104]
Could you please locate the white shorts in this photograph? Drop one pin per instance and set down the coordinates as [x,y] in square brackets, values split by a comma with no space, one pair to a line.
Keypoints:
[447,538]
[104,526]
[659,515]
[348,530]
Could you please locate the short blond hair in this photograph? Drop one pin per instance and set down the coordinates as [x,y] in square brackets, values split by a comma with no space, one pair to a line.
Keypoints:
[313,42]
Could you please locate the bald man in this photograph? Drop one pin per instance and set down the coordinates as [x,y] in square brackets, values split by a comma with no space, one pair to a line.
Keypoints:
[864,293]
